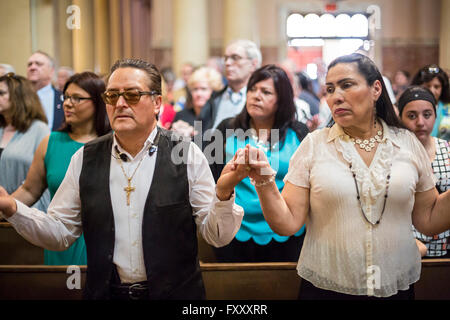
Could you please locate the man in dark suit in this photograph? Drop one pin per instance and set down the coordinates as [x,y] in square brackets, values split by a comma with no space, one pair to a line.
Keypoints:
[40,71]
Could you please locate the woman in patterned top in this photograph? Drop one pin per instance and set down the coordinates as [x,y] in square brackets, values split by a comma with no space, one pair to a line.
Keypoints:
[417,110]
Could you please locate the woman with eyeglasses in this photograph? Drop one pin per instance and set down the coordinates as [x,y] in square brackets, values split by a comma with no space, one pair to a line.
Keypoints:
[23,125]
[436,80]
[417,111]
[85,120]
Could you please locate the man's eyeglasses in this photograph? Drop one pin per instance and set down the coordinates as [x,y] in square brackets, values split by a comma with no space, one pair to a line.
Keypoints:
[130,96]
[233,57]
[75,99]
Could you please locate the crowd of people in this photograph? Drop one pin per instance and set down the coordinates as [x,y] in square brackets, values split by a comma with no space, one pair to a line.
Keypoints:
[340,179]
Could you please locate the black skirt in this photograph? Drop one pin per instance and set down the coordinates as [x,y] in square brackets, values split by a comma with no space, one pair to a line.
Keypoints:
[309,292]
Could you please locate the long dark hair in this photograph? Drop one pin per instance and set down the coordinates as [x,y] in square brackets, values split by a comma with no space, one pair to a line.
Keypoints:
[285,114]
[95,86]
[368,69]
[428,73]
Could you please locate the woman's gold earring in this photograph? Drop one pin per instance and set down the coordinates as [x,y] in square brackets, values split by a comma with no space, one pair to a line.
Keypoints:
[375,117]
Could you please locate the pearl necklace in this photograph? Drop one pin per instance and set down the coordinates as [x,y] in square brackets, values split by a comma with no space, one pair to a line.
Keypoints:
[367,144]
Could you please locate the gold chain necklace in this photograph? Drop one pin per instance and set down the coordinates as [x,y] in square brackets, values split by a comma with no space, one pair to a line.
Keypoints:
[128,189]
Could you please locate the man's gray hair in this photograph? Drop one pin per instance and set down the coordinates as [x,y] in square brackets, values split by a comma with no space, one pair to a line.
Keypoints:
[69,70]
[49,57]
[251,50]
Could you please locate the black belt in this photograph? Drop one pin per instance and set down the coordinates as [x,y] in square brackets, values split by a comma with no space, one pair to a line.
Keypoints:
[127,291]
[130,291]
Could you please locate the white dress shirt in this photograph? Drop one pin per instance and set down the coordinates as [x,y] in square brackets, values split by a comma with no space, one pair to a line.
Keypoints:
[230,105]
[47,97]
[217,221]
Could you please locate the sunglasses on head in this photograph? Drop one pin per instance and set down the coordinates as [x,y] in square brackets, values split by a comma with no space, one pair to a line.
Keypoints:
[10,75]
[433,69]
[131,96]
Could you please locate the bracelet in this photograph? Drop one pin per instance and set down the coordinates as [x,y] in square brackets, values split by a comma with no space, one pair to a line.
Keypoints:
[264,182]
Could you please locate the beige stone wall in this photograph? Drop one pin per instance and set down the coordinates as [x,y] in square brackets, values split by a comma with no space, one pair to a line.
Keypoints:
[15,37]
[413,31]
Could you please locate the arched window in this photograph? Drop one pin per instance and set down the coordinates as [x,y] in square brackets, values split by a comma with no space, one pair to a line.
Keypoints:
[327,26]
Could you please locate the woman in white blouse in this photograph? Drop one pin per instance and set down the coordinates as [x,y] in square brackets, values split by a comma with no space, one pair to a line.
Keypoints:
[358,186]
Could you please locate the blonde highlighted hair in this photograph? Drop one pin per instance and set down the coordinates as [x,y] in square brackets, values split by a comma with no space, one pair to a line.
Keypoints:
[212,76]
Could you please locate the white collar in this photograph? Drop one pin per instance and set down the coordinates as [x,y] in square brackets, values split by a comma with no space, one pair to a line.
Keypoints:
[46,89]
[148,142]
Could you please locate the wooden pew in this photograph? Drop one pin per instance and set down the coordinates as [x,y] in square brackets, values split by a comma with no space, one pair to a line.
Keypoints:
[223,281]
[15,250]
[24,253]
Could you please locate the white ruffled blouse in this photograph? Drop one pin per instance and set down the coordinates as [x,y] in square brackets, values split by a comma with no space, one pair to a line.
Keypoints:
[342,251]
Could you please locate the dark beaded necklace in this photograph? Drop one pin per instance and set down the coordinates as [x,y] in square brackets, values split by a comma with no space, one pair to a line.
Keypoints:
[359,198]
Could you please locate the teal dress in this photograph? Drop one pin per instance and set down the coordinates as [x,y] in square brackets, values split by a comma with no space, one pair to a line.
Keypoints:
[60,150]
[254,226]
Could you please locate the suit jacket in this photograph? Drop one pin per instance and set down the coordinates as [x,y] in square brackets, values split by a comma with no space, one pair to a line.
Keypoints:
[209,110]
[58,111]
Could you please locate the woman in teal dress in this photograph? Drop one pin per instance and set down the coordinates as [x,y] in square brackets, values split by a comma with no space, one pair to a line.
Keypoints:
[85,120]
[268,121]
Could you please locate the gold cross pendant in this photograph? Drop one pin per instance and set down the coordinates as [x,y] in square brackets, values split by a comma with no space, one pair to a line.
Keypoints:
[128,190]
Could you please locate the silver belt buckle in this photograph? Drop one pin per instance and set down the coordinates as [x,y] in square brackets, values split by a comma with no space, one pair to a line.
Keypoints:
[131,290]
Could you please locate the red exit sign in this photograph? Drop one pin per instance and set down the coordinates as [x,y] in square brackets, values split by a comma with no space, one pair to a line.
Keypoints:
[330,7]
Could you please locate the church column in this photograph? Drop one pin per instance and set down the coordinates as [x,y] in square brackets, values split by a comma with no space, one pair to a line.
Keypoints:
[126,29]
[115,30]
[102,63]
[15,16]
[444,37]
[240,20]
[43,27]
[83,38]
[63,35]
[190,33]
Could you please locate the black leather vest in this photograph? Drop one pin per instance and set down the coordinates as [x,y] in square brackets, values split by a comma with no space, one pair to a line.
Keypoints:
[168,231]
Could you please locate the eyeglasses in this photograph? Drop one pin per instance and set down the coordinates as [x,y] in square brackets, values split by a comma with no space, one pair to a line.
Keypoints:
[75,99]
[130,96]
[233,57]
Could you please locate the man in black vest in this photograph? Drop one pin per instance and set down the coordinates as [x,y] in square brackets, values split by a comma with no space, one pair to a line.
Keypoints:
[138,195]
